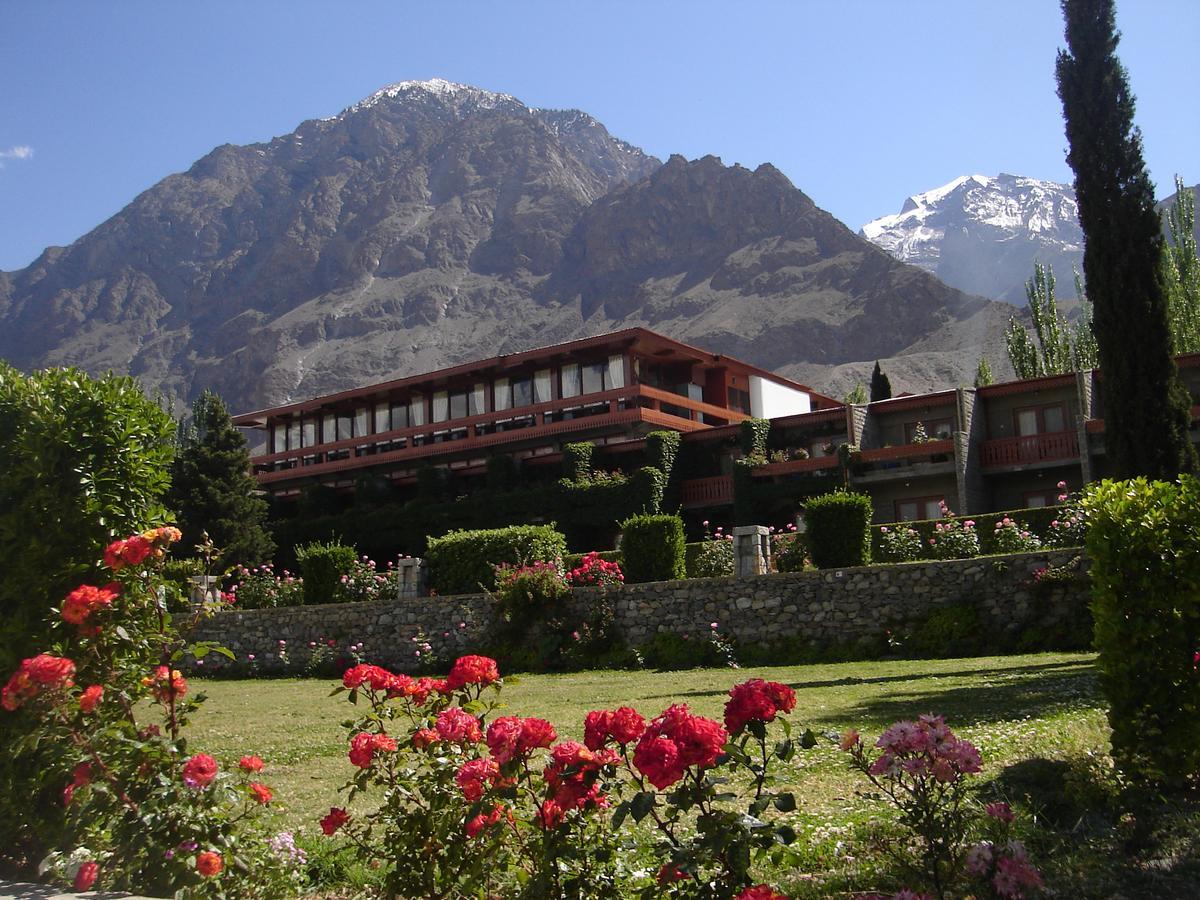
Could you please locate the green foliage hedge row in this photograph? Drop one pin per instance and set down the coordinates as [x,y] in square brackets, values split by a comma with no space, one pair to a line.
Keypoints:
[662,448]
[653,548]
[84,460]
[754,435]
[462,562]
[322,566]
[1037,518]
[1144,543]
[839,529]
[577,460]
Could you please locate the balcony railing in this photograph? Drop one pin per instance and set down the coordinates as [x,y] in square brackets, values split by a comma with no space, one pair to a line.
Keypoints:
[795,466]
[921,452]
[716,491]
[1059,446]
[621,405]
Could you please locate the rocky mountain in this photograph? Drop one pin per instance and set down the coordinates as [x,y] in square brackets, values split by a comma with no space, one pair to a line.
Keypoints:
[982,234]
[434,223]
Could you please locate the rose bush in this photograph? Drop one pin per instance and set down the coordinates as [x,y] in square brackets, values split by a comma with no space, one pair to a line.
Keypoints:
[473,803]
[142,811]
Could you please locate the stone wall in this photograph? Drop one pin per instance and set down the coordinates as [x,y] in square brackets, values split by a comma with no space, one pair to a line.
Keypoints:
[830,607]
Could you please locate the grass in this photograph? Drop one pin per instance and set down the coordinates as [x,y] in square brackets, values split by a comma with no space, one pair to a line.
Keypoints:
[1038,720]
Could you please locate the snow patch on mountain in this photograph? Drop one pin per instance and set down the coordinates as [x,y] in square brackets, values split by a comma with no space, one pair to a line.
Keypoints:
[983,234]
[457,95]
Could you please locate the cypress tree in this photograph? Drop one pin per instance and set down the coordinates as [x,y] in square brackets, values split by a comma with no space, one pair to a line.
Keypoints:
[212,489]
[881,385]
[1146,408]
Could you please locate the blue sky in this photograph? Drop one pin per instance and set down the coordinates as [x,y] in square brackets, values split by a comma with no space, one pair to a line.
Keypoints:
[859,102]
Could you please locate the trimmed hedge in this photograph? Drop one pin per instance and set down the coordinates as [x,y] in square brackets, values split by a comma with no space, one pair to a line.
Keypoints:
[653,548]
[462,562]
[839,529]
[577,460]
[322,567]
[1038,519]
[1144,543]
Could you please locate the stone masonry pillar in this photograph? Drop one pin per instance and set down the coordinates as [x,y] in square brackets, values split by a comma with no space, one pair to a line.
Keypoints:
[752,549]
[410,577]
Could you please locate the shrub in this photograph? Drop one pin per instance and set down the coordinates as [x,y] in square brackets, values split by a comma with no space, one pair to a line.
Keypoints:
[502,471]
[653,548]
[261,587]
[661,449]
[364,582]
[711,557]
[1143,539]
[947,632]
[953,538]
[754,435]
[1069,528]
[462,562]
[577,460]
[839,529]
[1011,536]
[789,552]
[322,566]
[594,571]
[574,560]
[534,588]
[900,543]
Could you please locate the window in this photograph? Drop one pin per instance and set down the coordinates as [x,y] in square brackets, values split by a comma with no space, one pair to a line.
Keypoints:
[383,418]
[399,415]
[542,392]
[441,406]
[458,405]
[416,410]
[935,429]
[616,372]
[919,508]
[328,428]
[739,400]
[362,421]
[345,426]
[522,392]
[593,377]
[1039,499]
[502,394]
[1040,419]
[293,434]
[478,404]
[279,440]
[570,380]
[308,433]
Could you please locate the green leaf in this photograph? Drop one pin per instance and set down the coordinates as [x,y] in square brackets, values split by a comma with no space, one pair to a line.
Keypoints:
[642,804]
[785,802]
[808,740]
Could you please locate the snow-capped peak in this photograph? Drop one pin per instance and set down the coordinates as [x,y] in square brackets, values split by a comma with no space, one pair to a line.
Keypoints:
[451,91]
[917,207]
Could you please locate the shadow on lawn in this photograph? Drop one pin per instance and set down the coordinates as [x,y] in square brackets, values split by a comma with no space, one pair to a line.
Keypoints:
[1003,694]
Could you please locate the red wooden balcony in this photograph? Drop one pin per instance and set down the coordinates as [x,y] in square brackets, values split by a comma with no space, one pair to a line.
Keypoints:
[716,491]
[908,452]
[1059,446]
[795,466]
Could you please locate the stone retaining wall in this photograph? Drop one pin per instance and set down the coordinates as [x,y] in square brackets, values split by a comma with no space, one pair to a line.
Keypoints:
[837,606]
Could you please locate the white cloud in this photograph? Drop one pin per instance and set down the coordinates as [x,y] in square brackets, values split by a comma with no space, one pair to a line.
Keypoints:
[21,151]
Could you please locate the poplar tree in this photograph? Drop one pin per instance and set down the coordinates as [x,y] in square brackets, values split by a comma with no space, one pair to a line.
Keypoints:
[212,489]
[1147,410]
[1055,347]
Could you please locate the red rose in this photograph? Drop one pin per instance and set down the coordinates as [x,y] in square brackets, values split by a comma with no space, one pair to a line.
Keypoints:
[38,672]
[90,698]
[550,815]
[458,726]
[467,670]
[757,701]
[362,749]
[378,678]
[476,825]
[502,738]
[250,764]
[199,771]
[595,728]
[165,684]
[85,600]
[657,758]
[261,792]
[423,737]
[474,776]
[760,892]
[86,876]
[336,819]
[209,863]
[626,725]
[535,733]
[669,873]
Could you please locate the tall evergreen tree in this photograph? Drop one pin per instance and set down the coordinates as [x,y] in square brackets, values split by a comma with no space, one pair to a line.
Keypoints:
[881,385]
[1146,408]
[1059,347]
[212,489]
[983,373]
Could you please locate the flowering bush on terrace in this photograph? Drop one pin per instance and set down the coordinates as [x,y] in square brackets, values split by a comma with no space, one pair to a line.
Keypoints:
[1011,536]
[1069,529]
[261,587]
[472,803]
[900,543]
[921,769]
[593,571]
[142,811]
[714,556]
[953,538]
[363,582]
[536,586]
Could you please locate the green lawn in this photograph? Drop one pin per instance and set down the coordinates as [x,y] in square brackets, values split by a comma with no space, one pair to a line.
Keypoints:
[1015,709]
